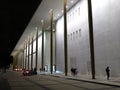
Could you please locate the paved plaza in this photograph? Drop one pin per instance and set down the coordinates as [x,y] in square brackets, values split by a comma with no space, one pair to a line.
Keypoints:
[15,81]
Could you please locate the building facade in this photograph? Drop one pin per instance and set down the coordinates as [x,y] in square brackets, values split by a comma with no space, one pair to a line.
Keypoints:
[106,25]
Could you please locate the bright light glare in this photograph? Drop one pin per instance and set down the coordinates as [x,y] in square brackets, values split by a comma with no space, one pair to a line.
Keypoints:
[67,6]
[71,1]
[62,11]
[59,72]
[58,15]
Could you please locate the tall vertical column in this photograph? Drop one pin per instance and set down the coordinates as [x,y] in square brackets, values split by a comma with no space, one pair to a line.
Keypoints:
[51,39]
[91,36]
[28,52]
[21,63]
[14,61]
[23,56]
[42,63]
[32,52]
[26,56]
[23,59]
[36,47]
[65,38]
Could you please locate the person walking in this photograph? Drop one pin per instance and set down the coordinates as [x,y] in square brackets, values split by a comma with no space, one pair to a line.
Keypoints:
[108,72]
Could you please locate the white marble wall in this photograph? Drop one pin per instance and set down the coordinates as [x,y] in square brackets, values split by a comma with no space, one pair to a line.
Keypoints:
[106,25]
[107,34]
[106,37]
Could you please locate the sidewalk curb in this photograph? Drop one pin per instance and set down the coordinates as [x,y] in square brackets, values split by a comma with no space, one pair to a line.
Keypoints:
[97,82]
[90,81]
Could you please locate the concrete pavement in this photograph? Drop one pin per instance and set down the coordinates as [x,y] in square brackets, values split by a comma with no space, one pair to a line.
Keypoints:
[4,85]
[113,81]
[85,78]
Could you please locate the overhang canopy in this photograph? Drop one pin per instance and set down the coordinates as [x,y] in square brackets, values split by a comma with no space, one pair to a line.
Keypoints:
[42,13]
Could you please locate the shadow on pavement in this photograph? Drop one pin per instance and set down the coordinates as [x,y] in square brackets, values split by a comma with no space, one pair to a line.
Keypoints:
[4,85]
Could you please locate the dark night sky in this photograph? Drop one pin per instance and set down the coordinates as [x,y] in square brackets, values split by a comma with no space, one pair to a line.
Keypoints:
[14,17]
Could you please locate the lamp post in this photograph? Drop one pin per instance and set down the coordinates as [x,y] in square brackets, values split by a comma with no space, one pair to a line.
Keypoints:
[91,36]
